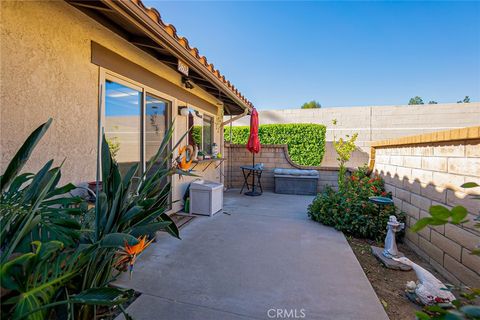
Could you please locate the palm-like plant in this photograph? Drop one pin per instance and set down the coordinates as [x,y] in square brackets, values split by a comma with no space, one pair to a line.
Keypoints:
[122,215]
[56,263]
[36,277]
[32,206]
[37,221]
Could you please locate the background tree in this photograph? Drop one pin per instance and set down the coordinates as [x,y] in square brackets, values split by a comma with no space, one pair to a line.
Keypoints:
[432,102]
[465,100]
[415,100]
[311,105]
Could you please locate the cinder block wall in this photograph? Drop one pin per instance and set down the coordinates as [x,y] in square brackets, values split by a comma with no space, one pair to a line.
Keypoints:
[420,175]
[375,123]
[272,156]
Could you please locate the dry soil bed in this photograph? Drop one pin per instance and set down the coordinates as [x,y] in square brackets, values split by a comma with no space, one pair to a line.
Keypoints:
[390,284]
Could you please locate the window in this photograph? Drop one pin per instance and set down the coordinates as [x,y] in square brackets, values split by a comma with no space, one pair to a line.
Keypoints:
[195,127]
[135,123]
[207,134]
[201,130]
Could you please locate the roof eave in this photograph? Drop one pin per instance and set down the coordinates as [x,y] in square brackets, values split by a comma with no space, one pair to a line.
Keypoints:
[136,15]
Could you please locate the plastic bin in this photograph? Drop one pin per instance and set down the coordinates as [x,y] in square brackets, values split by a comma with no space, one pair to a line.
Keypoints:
[206,197]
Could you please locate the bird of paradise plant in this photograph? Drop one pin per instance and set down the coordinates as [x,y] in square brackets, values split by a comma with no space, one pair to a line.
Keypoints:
[129,254]
[56,255]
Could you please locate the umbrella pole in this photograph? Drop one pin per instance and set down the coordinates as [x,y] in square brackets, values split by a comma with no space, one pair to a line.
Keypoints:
[253,179]
[253,192]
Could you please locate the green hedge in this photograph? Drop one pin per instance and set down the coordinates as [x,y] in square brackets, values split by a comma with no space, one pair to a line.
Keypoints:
[306,142]
[197,135]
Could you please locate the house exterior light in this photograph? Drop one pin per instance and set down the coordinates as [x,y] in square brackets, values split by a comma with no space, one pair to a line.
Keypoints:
[183,111]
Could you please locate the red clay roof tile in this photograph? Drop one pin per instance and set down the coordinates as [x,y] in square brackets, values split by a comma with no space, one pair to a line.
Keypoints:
[170,29]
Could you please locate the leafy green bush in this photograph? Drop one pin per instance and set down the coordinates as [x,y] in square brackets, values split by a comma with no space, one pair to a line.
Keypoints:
[306,142]
[349,209]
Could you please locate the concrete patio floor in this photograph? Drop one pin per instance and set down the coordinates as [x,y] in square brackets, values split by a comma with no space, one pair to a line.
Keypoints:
[264,254]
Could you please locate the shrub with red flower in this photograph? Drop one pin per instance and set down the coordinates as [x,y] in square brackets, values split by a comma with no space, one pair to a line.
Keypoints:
[349,209]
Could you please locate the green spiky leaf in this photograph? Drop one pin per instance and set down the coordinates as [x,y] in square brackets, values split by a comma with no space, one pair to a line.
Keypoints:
[149,229]
[102,296]
[422,315]
[22,155]
[117,240]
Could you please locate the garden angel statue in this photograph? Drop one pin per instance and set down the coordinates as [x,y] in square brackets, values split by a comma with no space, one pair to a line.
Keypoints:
[393,226]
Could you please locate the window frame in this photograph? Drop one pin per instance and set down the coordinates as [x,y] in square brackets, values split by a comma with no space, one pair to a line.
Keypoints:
[203,114]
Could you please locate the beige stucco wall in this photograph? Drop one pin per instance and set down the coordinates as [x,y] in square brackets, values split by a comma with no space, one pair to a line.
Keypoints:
[422,175]
[46,72]
[375,123]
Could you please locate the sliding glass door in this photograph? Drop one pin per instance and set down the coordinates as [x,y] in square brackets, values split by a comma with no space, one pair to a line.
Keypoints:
[135,123]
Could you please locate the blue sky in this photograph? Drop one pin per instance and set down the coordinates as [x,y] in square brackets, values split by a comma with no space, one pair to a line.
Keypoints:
[281,54]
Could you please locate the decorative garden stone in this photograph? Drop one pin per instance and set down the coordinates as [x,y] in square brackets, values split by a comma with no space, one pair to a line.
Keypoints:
[428,290]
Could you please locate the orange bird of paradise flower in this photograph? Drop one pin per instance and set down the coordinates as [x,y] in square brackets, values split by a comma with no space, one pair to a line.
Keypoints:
[130,253]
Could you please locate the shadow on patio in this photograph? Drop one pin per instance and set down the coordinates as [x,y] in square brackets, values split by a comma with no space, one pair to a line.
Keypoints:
[264,254]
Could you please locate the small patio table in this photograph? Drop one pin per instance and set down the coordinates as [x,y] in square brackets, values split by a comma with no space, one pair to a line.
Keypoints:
[249,171]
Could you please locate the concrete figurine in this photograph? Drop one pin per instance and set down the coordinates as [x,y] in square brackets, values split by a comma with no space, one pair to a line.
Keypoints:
[390,250]
[393,226]
[428,290]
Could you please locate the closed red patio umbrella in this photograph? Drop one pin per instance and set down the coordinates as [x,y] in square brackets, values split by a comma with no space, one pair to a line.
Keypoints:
[253,145]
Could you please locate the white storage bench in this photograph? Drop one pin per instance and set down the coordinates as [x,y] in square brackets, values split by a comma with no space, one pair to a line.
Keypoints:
[206,197]
[296,181]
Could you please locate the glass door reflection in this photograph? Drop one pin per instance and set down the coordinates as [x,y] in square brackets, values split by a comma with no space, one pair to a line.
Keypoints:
[123,124]
[156,121]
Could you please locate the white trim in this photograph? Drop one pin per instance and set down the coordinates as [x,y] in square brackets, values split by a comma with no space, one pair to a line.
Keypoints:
[101,86]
